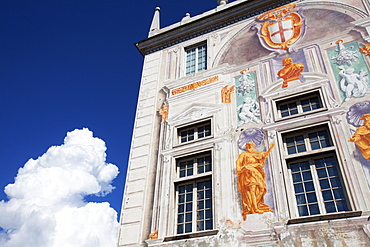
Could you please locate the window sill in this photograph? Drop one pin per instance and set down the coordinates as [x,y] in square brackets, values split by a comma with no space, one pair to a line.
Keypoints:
[192,141]
[191,235]
[302,114]
[333,216]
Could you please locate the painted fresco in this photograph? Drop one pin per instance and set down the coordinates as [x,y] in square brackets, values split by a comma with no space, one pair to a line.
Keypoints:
[281,28]
[359,116]
[298,57]
[350,70]
[252,168]
[246,98]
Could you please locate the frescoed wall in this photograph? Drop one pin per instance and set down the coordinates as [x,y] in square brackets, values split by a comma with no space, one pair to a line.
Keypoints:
[246,98]
[358,116]
[350,70]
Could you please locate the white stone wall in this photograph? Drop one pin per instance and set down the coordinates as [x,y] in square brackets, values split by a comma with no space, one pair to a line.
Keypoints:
[150,200]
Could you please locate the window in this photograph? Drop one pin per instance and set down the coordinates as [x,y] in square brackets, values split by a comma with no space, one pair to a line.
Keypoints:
[317,186]
[314,172]
[196,59]
[307,141]
[299,105]
[194,193]
[194,132]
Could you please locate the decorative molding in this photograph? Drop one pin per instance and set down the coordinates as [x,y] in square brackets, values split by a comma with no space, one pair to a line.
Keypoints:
[229,15]
[195,112]
[194,85]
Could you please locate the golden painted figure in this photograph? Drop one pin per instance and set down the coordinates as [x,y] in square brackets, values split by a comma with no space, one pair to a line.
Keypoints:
[365,49]
[291,71]
[252,180]
[163,111]
[153,235]
[226,94]
[362,137]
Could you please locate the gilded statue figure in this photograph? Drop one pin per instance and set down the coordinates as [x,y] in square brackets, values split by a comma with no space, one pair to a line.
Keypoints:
[163,111]
[362,137]
[291,71]
[153,235]
[252,180]
[226,94]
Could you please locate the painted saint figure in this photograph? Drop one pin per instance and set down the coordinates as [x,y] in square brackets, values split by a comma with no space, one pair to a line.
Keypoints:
[353,84]
[291,71]
[362,137]
[252,180]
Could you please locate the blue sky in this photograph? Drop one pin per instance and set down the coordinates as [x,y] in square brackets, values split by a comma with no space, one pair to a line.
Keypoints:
[71,64]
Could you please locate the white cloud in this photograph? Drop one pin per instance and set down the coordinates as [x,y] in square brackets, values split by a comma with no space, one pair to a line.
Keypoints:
[46,204]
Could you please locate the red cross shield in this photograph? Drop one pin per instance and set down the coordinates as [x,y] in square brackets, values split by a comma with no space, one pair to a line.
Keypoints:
[281,27]
[281,31]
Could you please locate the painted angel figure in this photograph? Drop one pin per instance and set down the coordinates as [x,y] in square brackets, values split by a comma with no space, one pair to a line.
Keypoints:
[246,83]
[353,84]
[345,55]
[249,111]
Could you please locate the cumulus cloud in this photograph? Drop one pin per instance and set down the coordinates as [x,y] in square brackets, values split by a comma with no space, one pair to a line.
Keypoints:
[46,204]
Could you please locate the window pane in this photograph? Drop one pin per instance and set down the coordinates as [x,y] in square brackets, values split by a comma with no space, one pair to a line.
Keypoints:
[327,195]
[188,217]
[200,225]
[310,104]
[314,209]
[335,182]
[201,204]
[298,188]
[188,227]
[322,173]
[295,168]
[201,215]
[330,207]
[180,218]
[181,198]
[187,135]
[324,184]
[331,186]
[302,210]
[319,139]
[204,164]
[307,175]
[297,177]
[342,206]
[209,214]
[185,208]
[333,171]
[301,199]
[204,203]
[288,109]
[209,225]
[309,186]
[338,193]
[196,59]
[180,229]
[295,144]
[204,131]
[311,197]
[181,208]
[186,168]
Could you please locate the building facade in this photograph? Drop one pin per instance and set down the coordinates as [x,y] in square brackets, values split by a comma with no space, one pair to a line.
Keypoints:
[253,128]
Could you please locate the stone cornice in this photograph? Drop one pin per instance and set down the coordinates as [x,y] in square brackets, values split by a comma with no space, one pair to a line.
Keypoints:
[207,24]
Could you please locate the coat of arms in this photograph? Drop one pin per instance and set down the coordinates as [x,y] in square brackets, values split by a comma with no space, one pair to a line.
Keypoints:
[280,28]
